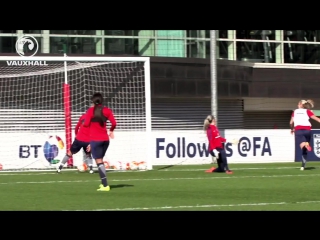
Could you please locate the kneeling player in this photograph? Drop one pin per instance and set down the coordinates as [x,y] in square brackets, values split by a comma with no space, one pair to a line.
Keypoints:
[82,140]
[216,145]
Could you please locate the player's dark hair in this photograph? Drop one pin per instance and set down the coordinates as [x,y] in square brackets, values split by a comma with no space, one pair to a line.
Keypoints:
[208,121]
[97,100]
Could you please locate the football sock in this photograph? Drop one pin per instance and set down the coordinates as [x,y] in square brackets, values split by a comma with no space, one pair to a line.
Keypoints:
[304,160]
[304,157]
[64,160]
[103,174]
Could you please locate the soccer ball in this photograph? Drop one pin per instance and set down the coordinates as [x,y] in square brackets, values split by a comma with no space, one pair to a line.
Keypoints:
[143,166]
[82,167]
[136,166]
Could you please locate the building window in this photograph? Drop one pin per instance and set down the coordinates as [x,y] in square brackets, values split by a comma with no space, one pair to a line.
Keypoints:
[73,32]
[8,31]
[123,46]
[128,32]
[256,52]
[256,34]
[206,33]
[222,50]
[302,53]
[75,45]
[170,44]
[301,35]
[8,44]
[32,31]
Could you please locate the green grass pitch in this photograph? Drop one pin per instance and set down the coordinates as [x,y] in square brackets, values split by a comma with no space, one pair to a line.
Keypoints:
[279,186]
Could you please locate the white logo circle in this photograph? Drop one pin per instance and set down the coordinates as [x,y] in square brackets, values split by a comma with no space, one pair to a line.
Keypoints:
[27,41]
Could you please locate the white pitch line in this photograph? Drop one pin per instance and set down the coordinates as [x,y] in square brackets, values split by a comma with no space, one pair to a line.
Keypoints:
[25,174]
[201,206]
[237,169]
[41,173]
[166,179]
[164,170]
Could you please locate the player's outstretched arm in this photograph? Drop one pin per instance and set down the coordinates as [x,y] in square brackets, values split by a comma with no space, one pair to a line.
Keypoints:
[315,118]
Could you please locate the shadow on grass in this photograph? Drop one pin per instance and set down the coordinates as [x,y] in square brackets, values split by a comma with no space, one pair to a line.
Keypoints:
[165,167]
[121,186]
[309,168]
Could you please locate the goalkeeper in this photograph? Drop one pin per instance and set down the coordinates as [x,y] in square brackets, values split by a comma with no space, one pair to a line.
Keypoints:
[216,145]
[82,140]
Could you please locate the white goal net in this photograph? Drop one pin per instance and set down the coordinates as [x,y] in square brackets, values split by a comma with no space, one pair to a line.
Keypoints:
[42,99]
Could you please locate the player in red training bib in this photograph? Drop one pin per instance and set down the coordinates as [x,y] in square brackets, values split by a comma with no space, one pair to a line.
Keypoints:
[95,120]
[82,140]
[216,145]
[301,127]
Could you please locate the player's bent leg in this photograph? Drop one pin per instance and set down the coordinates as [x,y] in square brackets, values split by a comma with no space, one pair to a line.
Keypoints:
[301,140]
[304,148]
[224,160]
[75,147]
[308,147]
[220,163]
[304,158]
[64,160]
[307,136]
[88,159]
[215,153]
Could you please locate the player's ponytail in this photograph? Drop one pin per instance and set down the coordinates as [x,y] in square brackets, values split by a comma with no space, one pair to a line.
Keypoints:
[311,102]
[207,122]
[97,100]
[307,104]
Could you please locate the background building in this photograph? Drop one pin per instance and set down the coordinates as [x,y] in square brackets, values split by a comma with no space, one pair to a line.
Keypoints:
[251,94]
[274,46]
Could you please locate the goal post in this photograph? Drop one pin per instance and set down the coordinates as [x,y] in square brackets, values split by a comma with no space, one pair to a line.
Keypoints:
[42,98]
[67,110]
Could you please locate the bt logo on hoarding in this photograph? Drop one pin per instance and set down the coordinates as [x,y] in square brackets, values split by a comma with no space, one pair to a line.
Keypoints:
[51,149]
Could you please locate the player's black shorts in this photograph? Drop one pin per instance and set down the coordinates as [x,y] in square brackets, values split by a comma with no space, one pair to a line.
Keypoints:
[77,145]
[99,148]
[302,135]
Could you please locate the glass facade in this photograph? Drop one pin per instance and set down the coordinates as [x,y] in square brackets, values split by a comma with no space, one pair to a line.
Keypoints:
[270,46]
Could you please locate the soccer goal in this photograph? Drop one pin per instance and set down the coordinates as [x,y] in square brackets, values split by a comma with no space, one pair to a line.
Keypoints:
[42,99]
